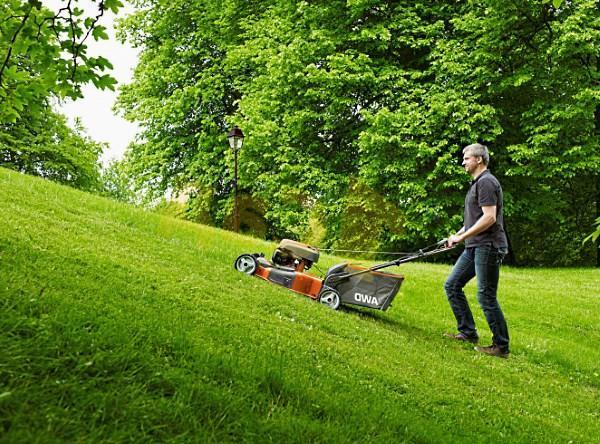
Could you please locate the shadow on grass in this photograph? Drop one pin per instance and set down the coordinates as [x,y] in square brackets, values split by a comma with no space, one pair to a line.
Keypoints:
[386,322]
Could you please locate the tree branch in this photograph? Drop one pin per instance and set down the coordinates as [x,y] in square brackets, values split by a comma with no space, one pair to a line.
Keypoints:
[10,18]
[546,22]
[10,47]
[92,26]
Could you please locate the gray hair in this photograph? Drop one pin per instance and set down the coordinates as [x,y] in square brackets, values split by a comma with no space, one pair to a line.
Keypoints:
[478,150]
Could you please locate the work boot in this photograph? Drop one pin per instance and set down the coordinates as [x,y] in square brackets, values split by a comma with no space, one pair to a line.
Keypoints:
[462,337]
[493,350]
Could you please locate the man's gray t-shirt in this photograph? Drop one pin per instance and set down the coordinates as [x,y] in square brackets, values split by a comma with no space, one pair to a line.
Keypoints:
[485,191]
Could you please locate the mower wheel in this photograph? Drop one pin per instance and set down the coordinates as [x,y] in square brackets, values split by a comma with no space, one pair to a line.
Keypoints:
[331,298]
[246,263]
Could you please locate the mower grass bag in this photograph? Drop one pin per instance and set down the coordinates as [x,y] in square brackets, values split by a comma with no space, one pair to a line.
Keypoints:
[373,289]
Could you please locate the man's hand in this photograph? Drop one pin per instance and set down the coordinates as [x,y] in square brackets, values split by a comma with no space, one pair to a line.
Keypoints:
[454,239]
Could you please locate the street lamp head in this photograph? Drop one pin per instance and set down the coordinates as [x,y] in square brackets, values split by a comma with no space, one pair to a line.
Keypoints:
[236,138]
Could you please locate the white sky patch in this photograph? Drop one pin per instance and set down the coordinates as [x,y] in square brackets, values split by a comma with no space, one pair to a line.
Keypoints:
[95,109]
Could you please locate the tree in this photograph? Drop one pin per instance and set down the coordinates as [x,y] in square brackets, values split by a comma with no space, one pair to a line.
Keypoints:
[43,144]
[182,97]
[596,234]
[318,70]
[43,58]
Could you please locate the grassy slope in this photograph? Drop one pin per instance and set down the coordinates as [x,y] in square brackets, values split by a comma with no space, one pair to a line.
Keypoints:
[121,325]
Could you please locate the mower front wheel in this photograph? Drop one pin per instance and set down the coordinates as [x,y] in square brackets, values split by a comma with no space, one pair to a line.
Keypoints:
[246,263]
[331,298]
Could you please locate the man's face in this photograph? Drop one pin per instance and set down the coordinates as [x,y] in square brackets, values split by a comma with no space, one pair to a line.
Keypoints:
[470,162]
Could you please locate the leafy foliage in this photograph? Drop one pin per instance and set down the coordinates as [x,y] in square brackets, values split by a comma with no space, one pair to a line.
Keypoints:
[378,93]
[43,144]
[43,58]
[117,183]
[596,234]
[44,53]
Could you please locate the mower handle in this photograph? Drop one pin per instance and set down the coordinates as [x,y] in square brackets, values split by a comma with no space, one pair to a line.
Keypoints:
[440,248]
[421,253]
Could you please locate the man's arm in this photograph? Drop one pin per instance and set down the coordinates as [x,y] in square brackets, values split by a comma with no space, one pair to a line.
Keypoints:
[483,223]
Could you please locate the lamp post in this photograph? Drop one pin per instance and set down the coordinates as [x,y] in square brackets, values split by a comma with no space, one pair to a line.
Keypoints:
[236,140]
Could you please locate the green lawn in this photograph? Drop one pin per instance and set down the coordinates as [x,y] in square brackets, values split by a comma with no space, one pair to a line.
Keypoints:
[118,325]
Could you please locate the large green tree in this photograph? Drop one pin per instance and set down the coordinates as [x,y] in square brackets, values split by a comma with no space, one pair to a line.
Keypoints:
[182,96]
[355,106]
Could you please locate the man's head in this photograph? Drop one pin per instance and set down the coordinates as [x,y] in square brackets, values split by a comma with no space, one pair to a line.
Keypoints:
[475,158]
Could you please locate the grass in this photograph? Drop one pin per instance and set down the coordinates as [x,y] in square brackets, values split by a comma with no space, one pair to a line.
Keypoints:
[118,325]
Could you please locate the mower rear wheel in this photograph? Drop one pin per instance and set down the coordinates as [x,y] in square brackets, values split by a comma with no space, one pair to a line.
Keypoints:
[331,298]
[246,263]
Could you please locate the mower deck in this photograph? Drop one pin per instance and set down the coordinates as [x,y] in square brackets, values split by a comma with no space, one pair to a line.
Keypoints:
[289,278]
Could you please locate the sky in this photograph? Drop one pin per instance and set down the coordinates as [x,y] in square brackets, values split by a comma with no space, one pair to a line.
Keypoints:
[95,109]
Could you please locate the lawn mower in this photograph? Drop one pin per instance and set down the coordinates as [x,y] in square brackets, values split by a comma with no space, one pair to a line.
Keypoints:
[343,283]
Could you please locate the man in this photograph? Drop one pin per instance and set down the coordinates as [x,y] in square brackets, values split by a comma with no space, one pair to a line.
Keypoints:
[485,247]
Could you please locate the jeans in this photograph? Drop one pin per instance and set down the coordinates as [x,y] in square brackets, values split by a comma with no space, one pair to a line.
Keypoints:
[483,262]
